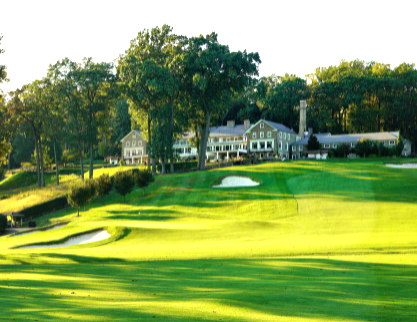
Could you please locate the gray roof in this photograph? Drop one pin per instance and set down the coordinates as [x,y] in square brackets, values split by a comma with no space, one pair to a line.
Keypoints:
[327,138]
[280,127]
[227,130]
[134,130]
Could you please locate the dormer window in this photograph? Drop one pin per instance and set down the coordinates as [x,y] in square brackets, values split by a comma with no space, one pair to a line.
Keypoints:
[134,135]
[254,135]
[261,125]
[127,144]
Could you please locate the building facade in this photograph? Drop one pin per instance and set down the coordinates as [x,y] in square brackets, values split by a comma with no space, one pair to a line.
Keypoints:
[134,148]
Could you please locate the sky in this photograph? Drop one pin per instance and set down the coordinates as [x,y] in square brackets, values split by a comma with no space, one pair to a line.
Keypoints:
[292,37]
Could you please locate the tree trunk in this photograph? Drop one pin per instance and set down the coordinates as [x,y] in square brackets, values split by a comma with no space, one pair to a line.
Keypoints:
[8,162]
[81,162]
[171,150]
[78,212]
[149,142]
[56,164]
[91,161]
[153,166]
[42,165]
[163,166]
[37,161]
[203,143]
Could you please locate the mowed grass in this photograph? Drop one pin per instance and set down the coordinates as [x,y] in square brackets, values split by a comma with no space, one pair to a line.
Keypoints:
[315,241]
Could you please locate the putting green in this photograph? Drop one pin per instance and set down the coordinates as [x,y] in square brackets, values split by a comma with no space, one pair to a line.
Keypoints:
[315,241]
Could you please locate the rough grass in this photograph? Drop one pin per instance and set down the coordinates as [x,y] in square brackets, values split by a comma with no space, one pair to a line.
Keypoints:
[316,241]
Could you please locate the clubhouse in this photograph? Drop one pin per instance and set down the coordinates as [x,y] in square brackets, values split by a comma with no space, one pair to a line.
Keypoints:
[264,139]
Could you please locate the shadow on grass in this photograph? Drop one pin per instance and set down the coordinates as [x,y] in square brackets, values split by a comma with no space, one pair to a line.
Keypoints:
[207,290]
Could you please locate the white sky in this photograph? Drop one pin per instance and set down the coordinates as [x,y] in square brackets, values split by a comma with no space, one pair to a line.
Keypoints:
[290,36]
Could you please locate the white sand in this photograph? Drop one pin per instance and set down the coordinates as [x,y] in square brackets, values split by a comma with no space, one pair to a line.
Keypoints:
[79,240]
[37,231]
[403,166]
[235,181]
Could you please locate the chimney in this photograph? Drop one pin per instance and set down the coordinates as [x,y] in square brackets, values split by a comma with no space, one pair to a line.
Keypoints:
[246,124]
[303,118]
[231,123]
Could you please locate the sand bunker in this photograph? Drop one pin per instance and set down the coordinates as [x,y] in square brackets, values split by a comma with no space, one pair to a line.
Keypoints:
[403,166]
[235,181]
[38,230]
[79,240]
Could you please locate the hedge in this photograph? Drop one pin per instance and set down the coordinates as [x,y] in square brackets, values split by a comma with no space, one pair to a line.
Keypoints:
[45,208]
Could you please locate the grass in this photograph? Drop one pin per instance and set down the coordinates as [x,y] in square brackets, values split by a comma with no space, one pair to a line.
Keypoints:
[315,241]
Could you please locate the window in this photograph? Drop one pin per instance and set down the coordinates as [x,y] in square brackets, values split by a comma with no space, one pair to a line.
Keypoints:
[254,145]
[269,144]
[289,137]
[286,146]
[139,143]
[127,144]
[285,136]
[334,146]
[220,140]
[280,135]
[352,145]
[294,148]
[133,143]
[262,144]
[254,135]
[269,134]
[134,135]
[262,125]
[261,135]
[280,145]
[391,142]
[326,146]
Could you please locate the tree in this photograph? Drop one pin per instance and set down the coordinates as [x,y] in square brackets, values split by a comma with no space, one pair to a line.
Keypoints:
[313,143]
[5,133]
[124,182]
[213,74]
[93,81]
[103,185]
[144,179]
[3,223]
[81,194]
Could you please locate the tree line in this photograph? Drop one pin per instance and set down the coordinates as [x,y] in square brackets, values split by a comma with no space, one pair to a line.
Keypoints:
[166,84]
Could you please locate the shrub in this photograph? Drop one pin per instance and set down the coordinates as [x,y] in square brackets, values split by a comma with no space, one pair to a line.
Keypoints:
[3,223]
[81,193]
[144,179]
[399,147]
[103,185]
[124,183]
[313,143]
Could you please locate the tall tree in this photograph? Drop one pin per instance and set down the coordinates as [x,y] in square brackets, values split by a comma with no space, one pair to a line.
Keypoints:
[213,74]
[94,80]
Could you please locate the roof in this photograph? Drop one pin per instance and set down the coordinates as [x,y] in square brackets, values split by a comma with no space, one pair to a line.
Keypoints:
[217,131]
[277,126]
[13,214]
[327,138]
[134,130]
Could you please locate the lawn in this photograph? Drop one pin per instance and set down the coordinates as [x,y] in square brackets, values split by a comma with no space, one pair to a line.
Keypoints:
[315,241]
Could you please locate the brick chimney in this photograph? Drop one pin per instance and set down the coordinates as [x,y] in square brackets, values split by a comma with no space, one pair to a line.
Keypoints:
[231,123]
[246,124]
[303,118]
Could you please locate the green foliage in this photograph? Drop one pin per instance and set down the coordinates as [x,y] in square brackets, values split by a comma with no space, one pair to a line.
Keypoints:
[81,193]
[366,147]
[3,223]
[104,185]
[123,182]
[313,143]
[399,147]
[144,179]
[3,74]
